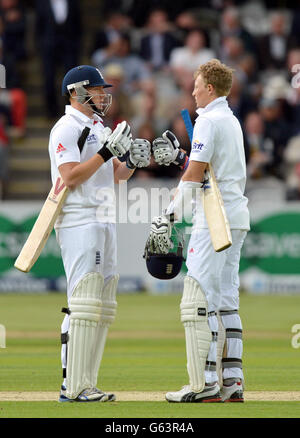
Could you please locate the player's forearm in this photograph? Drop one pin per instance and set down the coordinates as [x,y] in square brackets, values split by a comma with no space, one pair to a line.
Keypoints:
[82,171]
[122,173]
[194,172]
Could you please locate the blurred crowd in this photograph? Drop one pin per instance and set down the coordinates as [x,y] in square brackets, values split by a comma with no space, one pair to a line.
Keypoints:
[149,51]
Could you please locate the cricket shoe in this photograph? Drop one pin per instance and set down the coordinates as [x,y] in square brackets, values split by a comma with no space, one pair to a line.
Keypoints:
[232,391]
[88,395]
[210,394]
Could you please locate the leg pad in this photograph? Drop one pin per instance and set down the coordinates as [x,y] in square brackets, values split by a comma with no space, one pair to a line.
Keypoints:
[197,332]
[85,310]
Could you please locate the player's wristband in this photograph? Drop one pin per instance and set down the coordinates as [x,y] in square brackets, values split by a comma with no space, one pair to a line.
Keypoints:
[186,163]
[129,164]
[181,160]
[105,153]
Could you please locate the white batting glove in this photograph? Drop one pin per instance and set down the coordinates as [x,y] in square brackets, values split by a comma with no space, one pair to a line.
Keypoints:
[117,143]
[160,235]
[139,154]
[105,134]
[166,148]
[120,140]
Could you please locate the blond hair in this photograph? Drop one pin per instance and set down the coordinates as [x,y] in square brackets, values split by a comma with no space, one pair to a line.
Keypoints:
[218,75]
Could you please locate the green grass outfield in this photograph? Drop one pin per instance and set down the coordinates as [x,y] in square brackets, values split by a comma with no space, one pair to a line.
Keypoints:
[145,352]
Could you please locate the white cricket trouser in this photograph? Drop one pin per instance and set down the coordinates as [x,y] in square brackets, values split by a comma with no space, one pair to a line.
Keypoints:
[217,274]
[86,248]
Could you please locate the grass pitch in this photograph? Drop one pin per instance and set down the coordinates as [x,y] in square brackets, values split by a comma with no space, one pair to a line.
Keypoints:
[145,351]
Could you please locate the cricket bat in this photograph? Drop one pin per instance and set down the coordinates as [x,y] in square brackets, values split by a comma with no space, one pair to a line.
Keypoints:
[213,205]
[46,219]
[43,227]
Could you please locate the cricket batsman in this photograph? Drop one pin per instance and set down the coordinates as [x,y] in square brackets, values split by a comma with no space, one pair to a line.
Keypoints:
[210,302]
[86,155]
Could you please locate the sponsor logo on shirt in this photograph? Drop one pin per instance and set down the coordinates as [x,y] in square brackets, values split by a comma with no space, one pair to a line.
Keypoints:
[60,148]
[92,138]
[197,146]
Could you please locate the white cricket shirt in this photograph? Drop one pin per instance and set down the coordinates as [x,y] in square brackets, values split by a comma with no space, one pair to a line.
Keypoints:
[94,198]
[218,139]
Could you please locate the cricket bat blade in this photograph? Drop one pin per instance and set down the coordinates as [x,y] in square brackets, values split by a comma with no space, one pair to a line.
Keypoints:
[216,215]
[43,226]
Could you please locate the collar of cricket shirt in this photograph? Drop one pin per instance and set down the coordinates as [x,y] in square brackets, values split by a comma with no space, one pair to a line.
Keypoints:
[211,105]
[82,117]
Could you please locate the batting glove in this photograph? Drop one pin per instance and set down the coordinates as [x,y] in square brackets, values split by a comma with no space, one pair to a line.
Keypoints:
[166,150]
[139,154]
[160,235]
[117,143]
[106,132]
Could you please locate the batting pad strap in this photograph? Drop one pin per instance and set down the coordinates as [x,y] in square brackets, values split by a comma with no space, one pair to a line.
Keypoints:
[214,336]
[210,366]
[231,362]
[234,333]
[228,312]
[64,337]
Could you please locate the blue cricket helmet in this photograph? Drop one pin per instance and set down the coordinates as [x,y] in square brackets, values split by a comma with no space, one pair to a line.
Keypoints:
[84,75]
[165,266]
